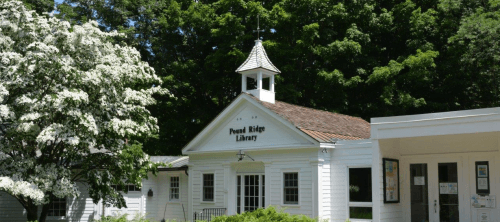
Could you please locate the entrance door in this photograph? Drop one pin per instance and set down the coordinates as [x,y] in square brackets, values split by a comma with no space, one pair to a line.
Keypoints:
[250,192]
[435,190]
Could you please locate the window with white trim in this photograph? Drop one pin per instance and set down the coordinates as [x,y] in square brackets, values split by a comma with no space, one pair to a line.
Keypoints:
[291,188]
[208,187]
[360,193]
[174,188]
[57,208]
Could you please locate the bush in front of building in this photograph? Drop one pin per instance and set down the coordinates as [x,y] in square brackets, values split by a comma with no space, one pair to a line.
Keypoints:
[269,214]
[123,218]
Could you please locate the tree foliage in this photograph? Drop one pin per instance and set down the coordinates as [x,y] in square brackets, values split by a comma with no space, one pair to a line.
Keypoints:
[364,58]
[72,109]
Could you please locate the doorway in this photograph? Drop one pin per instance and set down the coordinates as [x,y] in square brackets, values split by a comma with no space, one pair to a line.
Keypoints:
[250,192]
[434,191]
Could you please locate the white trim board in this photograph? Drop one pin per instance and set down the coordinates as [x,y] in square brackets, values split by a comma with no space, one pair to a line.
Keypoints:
[448,123]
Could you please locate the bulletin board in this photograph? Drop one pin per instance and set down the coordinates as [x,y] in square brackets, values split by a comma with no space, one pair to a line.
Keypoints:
[391,180]
[482,177]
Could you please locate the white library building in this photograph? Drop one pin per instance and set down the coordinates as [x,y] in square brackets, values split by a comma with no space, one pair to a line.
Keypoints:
[260,152]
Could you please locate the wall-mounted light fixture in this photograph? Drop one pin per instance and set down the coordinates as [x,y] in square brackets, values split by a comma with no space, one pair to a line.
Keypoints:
[150,192]
[242,155]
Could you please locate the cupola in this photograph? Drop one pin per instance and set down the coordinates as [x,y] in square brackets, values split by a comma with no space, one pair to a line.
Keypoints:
[257,74]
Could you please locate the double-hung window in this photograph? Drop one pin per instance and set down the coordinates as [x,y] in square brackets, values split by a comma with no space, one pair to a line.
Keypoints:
[291,188]
[360,193]
[174,188]
[57,208]
[208,187]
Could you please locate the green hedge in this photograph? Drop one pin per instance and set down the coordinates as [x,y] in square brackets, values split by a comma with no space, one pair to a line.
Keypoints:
[123,218]
[269,214]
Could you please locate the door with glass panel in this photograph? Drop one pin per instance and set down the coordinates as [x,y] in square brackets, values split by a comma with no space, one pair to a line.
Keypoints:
[435,191]
[250,192]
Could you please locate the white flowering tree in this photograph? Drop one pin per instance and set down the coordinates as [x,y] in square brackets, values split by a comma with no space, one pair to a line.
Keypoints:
[72,105]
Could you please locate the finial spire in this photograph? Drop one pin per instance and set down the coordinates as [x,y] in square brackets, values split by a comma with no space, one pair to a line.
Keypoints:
[258,28]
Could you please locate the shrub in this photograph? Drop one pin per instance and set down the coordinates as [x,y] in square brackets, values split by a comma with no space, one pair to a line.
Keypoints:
[123,218]
[269,214]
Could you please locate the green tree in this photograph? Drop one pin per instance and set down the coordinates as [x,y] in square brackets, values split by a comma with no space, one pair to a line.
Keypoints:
[363,58]
[40,6]
[477,42]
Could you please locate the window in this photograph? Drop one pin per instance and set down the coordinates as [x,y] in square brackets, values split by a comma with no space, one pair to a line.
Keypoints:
[133,188]
[360,193]
[250,192]
[57,208]
[174,188]
[291,188]
[238,194]
[208,187]
[263,191]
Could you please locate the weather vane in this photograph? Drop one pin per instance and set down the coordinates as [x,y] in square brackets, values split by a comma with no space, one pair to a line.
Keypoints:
[258,28]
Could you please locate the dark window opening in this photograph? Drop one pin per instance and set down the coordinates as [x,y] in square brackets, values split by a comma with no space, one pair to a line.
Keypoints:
[208,187]
[291,188]
[57,208]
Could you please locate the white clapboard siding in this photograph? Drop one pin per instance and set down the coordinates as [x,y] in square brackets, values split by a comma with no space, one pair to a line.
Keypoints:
[346,154]
[149,206]
[11,209]
[168,209]
[276,163]
[80,209]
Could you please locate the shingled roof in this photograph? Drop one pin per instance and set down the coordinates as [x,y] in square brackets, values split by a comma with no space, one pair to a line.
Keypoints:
[323,126]
[257,59]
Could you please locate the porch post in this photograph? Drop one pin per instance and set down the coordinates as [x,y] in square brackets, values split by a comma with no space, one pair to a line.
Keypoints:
[267,173]
[376,175]
[317,192]
[190,192]
[228,189]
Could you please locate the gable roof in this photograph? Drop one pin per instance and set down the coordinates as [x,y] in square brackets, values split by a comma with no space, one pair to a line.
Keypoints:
[244,98]
[316,125]
[257,59]
[323,126]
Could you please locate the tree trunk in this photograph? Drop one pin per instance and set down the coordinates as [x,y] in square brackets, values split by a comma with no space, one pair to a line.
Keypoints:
[32,212]
[45,211]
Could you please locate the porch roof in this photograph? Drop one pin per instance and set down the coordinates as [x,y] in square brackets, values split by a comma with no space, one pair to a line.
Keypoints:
[435,124]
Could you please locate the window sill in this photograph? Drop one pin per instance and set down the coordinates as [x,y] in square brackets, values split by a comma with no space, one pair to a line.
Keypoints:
[361,204]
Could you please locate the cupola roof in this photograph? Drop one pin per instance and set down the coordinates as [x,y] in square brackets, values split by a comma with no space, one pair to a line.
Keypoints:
[258,59]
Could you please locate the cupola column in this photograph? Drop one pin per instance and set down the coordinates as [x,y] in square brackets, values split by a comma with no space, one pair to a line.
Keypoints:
[259,80]
[271,84]
[243,83]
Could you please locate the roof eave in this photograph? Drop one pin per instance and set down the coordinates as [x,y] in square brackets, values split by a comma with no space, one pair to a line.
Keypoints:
[260,67]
